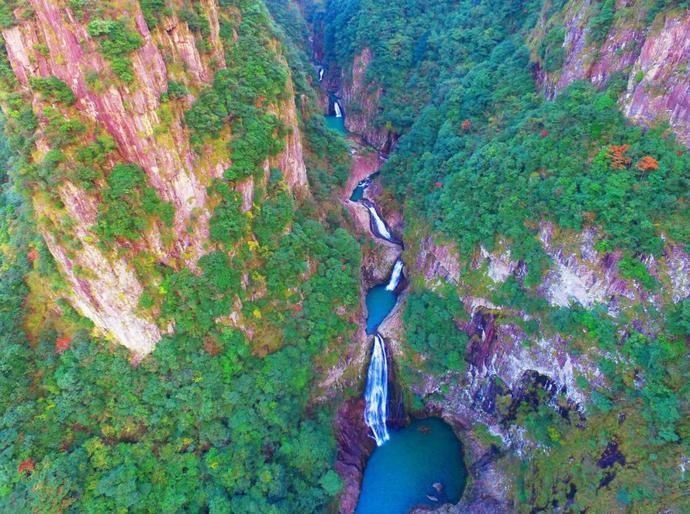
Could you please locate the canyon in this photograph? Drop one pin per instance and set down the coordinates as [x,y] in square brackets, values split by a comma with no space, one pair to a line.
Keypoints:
[308,287]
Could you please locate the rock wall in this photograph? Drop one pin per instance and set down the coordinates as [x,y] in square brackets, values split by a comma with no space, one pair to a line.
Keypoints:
[500,351]
[659,84]
[55,42]
[652,56]
[360,100]
[354,448]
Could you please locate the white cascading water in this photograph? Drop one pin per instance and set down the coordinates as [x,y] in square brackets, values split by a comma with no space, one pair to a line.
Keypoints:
[395,276]
[338,110]
[321,71]
[376,393]
[380,225]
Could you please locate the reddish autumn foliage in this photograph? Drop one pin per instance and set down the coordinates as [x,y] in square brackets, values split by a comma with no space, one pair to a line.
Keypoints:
[26,466]
[212,347]
[544,133]
[32,255]
[438,185]
[466,125]
[62,344]
[648,163]
[617,156]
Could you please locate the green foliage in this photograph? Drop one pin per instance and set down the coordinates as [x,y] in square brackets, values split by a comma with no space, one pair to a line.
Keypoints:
[633,269]
[128,204]
[601,22]
[658,6]
[228,223]
[175,91]
[430,323]
[117,41]
[54,89]
[240,95]
[541,165]
[60,130]
[153,10]
[552,52]
[7,16]
[196,21]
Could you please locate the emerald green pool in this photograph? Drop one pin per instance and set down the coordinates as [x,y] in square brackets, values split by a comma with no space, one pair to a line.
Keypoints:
[380,303]
[401,473]
[335,123]
[358,193]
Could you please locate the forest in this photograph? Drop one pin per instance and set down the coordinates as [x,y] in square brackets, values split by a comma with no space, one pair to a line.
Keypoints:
[228,413]
[210,421]
[485,159]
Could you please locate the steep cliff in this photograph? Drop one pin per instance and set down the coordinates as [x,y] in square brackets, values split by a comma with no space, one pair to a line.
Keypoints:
[134,99]
[599,41]
[361,97]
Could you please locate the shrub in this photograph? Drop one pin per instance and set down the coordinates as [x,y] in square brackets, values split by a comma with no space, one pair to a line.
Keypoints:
[127,203]
[228,223]
[633,269]
[600,24]
[117,41]
[54,89]
[431,330]
[175,91]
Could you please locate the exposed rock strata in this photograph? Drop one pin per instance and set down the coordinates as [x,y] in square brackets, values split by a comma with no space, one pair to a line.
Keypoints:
[654,58]
[354,448]
[54,42]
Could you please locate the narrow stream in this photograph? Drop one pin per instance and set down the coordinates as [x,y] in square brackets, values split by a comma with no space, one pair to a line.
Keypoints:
[421,464]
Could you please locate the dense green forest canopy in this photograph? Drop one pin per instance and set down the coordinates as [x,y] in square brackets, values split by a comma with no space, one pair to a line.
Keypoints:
[483,158]
[212,421]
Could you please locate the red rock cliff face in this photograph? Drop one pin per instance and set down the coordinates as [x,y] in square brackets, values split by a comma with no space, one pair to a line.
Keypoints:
[659,85]
[55,42]
[361,102]
[654,57]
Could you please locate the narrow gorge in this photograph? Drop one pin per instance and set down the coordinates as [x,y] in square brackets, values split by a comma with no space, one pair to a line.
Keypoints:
[318,256]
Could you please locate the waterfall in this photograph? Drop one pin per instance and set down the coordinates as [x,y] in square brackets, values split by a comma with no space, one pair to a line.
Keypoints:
[395,276]
[338,110]
[321,71]
[380,224]
[376,393]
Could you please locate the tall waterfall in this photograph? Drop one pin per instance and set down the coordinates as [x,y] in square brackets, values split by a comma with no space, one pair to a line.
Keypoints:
[376,393]
[321,71]
[380,224]
[338,110]
[395,276]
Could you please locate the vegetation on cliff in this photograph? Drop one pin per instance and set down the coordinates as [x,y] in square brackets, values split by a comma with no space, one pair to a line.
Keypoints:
[484,160]
[219,417]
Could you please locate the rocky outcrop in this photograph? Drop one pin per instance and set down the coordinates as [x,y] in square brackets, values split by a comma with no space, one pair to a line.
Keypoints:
[659,84]
[55,42]
[438,261]
[582,276]
[360,100]
[129,113]
[587,60]
[354,448]
[653,57]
